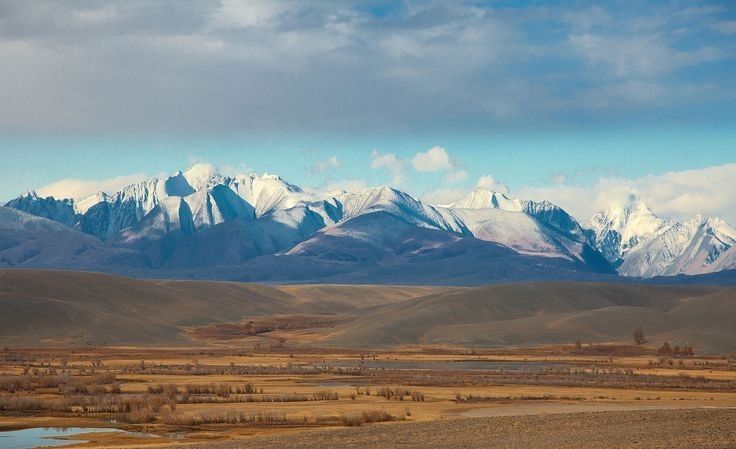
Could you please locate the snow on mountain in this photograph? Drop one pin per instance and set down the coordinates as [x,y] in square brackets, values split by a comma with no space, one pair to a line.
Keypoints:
[619,229]
[170,215]
[538,228]
[555,217]
[83,205]
[370,236]
[513,229]
[695,246]
[397,203]
[481,198]
[201,218]
[268,192]
[216,205]
[59,210]
[284,216]
[12,219]
[30,241]
[645,245]
[198,177]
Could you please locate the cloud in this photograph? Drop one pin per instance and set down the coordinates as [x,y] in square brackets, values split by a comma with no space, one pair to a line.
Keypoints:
[725,27]
[391,163]
[456,176]
[434,159]
[488,183]
[447,195]
[444,196]
[559,179]
[330,164]
[257,66]
[681,194]
[346,185]
[80,188]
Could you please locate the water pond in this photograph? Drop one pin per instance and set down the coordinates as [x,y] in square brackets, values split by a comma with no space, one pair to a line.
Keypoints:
[47,436]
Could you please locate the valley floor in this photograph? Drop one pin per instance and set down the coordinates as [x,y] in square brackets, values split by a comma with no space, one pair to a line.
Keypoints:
[687,428]
[269,397]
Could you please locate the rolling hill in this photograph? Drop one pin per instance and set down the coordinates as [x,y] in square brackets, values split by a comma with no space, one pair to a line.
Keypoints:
[56,308]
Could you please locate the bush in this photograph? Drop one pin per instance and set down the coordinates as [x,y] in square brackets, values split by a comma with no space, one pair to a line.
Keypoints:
[358,419]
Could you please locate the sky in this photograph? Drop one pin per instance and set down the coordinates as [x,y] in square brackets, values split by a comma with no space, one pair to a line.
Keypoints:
[585,104]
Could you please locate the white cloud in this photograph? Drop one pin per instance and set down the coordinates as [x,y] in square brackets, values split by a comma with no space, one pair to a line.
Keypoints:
[444,196]
[332,163]
[391,163]
[347,185]
[639,55]
[488,183]
[447,195]
[248,13]
[456,176]
[708,191]
[559,179]
[81,188]
[725,26]
[114,66]
[435,159]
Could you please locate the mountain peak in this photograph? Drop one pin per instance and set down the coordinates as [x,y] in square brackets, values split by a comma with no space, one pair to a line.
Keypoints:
[483,198]
[203,176]
[620,228]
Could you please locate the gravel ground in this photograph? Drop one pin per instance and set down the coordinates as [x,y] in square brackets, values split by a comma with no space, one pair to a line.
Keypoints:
[691,429]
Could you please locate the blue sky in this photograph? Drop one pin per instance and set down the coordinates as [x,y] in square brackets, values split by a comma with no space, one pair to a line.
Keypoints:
[514,159]
[544,97]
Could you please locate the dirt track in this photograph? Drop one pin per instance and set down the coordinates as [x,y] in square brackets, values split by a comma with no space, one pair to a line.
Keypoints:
[691,429]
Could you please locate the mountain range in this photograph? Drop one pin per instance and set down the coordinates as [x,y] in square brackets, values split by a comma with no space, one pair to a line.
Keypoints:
[202,224]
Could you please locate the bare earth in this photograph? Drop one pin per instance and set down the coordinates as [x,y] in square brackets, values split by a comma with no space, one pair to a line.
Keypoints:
[691,429]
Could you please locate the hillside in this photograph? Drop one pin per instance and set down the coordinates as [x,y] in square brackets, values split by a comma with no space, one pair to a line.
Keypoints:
[76,308]
[550,313]
[45,307]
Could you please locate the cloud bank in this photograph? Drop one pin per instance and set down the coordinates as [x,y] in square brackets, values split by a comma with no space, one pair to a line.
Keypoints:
[80,188]
[252,66]
[708,191]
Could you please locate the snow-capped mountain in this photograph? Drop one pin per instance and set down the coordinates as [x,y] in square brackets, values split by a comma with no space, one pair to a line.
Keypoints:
[619,229]
[696,246]
[61,211]
[481,198]
[642,244]
[200,219]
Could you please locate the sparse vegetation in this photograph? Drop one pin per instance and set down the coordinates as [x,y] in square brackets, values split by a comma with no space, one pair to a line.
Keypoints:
[154,391]
[639,336]
[358,419]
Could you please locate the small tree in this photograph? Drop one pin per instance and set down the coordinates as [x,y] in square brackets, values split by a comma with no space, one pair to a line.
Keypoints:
[638,336]
[578,345]
[666,349]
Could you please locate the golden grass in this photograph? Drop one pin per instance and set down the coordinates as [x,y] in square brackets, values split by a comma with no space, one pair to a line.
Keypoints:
[225,393]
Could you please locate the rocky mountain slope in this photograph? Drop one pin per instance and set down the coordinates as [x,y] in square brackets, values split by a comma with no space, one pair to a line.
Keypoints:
[642,244]
[200,223]
[259,227]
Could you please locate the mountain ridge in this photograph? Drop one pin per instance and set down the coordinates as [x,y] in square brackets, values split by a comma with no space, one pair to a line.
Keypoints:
[199,218]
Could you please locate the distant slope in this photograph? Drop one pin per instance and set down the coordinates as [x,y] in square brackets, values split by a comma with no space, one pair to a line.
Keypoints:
[30,241]
[726,277]
[45,307]
[547,313]
[37,306]
[63,307]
